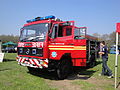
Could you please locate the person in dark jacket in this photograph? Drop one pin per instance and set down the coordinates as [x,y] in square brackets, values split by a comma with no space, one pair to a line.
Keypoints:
[104,54]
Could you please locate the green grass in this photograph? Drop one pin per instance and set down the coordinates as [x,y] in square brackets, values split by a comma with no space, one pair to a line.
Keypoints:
[85,85]
[15,77]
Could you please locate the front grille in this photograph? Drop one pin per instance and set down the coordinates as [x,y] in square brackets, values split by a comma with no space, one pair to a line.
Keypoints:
[30,51]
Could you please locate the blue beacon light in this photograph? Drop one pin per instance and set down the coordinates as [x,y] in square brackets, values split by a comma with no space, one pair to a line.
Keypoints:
[41,18]
[32,20]
[50,17]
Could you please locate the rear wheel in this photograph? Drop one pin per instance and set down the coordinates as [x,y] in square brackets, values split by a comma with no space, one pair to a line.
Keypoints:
[64,68]
[92,62]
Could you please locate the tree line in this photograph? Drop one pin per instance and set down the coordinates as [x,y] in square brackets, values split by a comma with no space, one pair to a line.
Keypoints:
[110,39]
[7,38]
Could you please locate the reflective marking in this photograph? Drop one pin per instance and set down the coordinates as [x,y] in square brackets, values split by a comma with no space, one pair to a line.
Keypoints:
[52,47]
[66,49]
[59,46]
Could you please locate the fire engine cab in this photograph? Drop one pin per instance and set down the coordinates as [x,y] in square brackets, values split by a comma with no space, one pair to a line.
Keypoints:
[48,42]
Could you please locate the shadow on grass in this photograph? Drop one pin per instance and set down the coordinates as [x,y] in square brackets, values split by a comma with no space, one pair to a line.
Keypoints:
[78,73]
[43,73]
[5,69]
[8,60]
[81,73]
[118,86]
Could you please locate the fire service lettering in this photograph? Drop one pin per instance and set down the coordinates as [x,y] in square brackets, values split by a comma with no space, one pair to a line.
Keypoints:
[33,44]
[20,44]
[37,44]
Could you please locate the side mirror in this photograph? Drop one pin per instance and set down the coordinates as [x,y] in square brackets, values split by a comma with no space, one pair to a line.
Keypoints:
[82,31]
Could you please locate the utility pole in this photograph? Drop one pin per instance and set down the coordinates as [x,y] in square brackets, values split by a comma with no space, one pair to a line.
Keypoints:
[116,58]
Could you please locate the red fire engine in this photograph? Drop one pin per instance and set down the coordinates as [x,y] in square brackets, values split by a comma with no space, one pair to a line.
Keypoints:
[48,42]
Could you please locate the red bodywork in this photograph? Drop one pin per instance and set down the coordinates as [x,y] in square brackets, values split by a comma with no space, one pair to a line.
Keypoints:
[55,48]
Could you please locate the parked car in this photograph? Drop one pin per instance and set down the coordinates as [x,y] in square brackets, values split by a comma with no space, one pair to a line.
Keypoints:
[10,50]
[113,49]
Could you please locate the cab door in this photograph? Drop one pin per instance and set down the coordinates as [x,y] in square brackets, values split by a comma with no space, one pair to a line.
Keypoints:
[61,40]
[61,34]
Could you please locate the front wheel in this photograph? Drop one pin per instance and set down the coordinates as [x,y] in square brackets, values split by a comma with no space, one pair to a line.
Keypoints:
[64,68]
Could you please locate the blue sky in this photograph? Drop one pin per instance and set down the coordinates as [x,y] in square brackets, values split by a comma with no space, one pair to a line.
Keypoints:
[100,16]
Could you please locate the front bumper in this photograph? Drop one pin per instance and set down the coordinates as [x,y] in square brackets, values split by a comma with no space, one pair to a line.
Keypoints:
[32,62]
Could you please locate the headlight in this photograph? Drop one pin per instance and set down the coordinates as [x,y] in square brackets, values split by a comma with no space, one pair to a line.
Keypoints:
[21,50]
[33,51]
[27,51]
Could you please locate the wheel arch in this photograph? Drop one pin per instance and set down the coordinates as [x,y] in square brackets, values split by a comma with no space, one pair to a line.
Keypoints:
[66,56]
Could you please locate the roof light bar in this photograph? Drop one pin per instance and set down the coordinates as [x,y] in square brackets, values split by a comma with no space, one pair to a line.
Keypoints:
[50,17]
[41,18]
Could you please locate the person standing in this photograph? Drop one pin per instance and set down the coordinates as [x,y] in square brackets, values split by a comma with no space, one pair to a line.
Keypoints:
[104,54]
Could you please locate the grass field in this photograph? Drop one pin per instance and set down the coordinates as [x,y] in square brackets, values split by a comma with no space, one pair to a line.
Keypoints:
[16,77]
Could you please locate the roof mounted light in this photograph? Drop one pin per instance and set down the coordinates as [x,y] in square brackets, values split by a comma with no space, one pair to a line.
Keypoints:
[50,17]
[32,20]
[41,18]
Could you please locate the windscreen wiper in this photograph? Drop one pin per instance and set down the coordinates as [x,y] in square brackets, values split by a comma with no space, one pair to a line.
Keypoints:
[37,38]
[24,40]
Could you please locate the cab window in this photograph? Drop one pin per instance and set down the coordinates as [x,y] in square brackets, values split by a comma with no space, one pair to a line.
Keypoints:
[68,31]
[60,31]
[54,31]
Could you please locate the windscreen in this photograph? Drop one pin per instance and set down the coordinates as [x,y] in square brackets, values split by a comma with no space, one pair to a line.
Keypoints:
[34,33]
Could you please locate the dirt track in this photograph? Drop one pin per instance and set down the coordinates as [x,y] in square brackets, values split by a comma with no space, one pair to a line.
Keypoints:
[68,84]
[94,82]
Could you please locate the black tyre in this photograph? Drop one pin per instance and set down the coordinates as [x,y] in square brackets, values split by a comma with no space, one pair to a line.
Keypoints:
[64,69]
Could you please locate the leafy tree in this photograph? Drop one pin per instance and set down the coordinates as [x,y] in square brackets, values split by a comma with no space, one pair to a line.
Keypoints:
[7,38]
[110,39]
